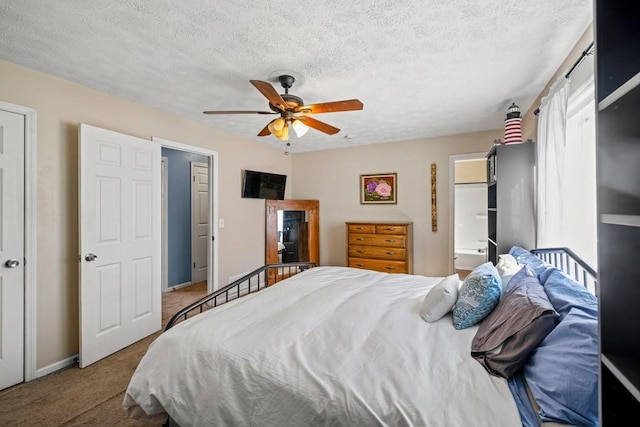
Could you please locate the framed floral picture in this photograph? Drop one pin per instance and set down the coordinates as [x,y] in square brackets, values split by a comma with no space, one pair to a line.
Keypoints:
[378,189]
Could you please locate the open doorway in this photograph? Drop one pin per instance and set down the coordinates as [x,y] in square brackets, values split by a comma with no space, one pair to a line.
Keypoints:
[189,217]
[468,189]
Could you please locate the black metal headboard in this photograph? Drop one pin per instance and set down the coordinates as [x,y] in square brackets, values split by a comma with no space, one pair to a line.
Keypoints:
[574,266]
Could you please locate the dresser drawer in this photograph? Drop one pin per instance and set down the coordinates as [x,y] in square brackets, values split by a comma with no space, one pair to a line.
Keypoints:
[377,252]
[391,229]
[362,228]
[379,265]
[377,240]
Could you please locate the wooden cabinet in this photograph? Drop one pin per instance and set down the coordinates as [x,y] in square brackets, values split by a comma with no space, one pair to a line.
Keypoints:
[380,246]
[618,175]
[511,198]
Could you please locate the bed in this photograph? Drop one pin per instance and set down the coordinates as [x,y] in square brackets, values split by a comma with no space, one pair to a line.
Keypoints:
[343,346]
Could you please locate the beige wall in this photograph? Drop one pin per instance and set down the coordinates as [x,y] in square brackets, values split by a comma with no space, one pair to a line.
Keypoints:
[60,107]
[333,177]
[470,171]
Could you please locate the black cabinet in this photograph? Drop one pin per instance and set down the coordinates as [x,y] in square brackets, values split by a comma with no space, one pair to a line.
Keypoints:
[618,172]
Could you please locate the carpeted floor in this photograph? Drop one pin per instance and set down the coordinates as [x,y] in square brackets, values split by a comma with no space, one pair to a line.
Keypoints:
[91,396]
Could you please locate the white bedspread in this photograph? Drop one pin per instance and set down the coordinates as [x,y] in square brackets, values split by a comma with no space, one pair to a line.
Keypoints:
[330,346]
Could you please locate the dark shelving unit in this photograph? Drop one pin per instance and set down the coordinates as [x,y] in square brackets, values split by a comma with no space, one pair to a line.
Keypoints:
[617,50]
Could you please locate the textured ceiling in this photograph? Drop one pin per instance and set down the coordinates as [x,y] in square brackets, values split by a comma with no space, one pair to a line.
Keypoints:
[422,68]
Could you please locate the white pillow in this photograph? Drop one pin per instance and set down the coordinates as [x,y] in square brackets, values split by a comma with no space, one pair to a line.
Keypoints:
[440,299]
[507,266]
[506,261]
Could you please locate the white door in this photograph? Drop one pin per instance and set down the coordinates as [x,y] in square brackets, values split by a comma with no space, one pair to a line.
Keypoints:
[11,249]
[120,241]
[199,220]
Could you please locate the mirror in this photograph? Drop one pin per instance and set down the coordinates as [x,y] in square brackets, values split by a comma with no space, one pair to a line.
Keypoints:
[292,228]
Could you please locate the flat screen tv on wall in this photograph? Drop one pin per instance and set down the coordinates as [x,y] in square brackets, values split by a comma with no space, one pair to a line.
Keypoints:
[263,185]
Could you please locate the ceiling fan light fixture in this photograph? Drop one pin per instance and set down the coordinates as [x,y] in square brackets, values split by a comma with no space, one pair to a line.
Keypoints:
[283,135]
[300,128]
[276,126]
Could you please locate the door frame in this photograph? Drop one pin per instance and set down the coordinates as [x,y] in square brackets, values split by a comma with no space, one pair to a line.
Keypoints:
[212,272]
[453,158]
[30,236]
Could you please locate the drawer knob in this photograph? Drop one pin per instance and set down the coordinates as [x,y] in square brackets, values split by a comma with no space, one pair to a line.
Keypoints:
[390,240]
[359,265]
[359,238]
[390,268]
[390,228]
[361,252]
[391,253]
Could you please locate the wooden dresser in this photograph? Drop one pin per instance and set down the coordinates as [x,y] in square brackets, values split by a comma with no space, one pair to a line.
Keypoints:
[381,246]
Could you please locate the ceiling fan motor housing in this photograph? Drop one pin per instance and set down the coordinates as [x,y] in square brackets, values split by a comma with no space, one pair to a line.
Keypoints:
[286,81]
[291,100]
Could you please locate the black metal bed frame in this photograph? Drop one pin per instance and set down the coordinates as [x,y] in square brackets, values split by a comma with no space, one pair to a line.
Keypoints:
[574,266]
[265,276]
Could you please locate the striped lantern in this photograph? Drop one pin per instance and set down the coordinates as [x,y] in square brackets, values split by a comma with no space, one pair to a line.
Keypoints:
[512,126]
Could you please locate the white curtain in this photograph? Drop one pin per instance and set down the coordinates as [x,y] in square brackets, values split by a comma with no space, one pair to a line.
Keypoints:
[550,149]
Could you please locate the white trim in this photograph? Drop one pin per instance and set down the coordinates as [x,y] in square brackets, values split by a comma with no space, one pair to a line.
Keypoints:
[61,364]
[453,158]
[581,97]
[212,273]
[165,224]
[30,238]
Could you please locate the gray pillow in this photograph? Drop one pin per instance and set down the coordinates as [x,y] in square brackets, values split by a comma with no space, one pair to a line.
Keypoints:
[522,319]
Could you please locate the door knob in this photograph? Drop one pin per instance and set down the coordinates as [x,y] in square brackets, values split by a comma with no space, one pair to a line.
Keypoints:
[90,257]
[12,263]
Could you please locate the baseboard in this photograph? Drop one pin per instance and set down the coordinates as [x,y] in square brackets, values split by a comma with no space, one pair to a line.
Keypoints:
[56,366]
[181,285]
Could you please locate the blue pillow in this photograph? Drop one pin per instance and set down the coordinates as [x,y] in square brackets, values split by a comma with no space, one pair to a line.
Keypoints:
[478,296]
[562,372]
[523,273]
[525,257]
[565,293]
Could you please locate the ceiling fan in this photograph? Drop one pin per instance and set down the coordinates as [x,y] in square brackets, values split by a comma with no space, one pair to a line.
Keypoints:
[292,110]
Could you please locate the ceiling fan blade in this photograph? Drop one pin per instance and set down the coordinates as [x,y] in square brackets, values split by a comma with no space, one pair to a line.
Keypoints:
[270,93]
[239,112]
[331,107]
[265,131]
[318,125]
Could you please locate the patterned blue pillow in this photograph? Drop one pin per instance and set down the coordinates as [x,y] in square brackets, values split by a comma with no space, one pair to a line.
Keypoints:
[479,294]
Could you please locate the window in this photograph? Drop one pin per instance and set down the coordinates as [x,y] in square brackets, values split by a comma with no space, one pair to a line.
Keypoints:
[579,209]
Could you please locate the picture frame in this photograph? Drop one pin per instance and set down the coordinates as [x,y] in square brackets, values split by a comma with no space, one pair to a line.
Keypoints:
[378,188]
